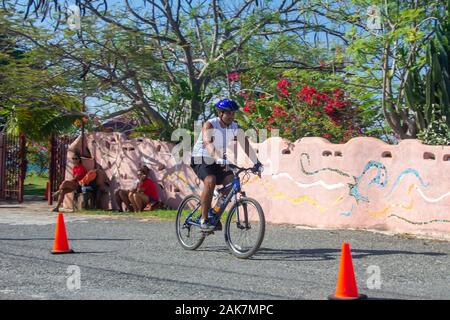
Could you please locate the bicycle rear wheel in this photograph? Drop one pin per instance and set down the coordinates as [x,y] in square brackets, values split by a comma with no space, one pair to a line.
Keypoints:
[190,237]
[245,228]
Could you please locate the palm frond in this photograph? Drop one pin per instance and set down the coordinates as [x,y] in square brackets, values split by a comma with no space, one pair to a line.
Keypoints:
[60,124]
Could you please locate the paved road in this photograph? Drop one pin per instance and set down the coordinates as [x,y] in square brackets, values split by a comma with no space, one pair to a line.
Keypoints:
[131,258]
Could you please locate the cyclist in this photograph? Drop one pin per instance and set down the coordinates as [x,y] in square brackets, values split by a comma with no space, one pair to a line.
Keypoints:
[208,156]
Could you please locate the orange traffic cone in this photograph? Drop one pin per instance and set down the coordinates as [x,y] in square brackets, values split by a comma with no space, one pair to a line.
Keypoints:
[61,244]
[346,286]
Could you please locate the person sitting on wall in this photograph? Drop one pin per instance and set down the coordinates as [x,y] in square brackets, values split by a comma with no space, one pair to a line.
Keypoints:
[145,193]
[123,196]
[67,186]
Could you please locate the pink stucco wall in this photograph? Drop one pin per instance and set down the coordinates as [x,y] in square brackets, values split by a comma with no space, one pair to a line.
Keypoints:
[363,184]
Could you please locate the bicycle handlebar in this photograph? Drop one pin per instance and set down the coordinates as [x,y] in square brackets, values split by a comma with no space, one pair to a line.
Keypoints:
[241,169]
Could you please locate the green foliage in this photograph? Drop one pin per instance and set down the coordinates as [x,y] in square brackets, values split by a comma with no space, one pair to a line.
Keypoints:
[150,131]
[382,59]
[299,110]
[428,93]
[35,184]
[178,78]
[34,97]
[154,214]
[437,133]
[135,62]
[38,157]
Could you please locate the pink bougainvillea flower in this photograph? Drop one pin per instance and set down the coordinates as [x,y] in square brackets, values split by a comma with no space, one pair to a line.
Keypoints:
[338,92]
[339,104]
[283,83]
[307,93]
[285,91]
[277,111]
[251,105]
[243,94]
[335,119]
[233,76]
[329,109]
[304,90]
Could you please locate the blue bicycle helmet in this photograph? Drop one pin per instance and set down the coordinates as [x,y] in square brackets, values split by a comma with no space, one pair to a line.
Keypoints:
[226,105]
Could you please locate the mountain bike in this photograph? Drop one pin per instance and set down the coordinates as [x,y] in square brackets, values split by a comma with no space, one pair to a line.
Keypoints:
[245,224]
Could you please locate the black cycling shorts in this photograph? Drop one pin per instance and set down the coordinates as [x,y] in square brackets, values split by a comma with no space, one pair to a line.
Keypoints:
[202,170]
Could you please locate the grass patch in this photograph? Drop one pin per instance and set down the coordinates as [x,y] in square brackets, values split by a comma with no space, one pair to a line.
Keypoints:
[162,214]
[35,185]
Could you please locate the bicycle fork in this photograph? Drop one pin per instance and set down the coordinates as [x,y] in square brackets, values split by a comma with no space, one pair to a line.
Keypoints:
[246,225]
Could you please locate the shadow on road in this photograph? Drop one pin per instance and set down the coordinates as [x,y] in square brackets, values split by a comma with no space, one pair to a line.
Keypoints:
[327,254]
[71,239]
[86,252]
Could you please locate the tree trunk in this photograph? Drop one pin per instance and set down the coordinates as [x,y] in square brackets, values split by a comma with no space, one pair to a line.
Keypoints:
[196,104]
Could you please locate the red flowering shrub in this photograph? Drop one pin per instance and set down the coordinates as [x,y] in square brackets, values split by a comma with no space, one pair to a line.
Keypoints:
[233,76]
[283,85]
[299,110]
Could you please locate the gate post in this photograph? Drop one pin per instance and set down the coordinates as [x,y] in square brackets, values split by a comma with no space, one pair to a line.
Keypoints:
[51,169]
[22,165]
[2,165]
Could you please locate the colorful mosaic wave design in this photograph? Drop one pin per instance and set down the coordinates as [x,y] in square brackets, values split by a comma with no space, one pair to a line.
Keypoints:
[380,180]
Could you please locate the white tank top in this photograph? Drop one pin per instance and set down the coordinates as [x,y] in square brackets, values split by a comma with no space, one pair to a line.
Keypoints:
[222,138]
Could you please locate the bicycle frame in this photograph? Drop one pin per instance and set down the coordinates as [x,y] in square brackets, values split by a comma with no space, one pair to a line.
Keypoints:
[235,189]
[238,233]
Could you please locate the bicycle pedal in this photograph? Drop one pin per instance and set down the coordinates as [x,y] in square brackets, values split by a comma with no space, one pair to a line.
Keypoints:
[207,233]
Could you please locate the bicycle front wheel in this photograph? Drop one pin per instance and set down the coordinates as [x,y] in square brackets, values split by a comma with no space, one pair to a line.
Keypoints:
[189,236]
[245,227]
